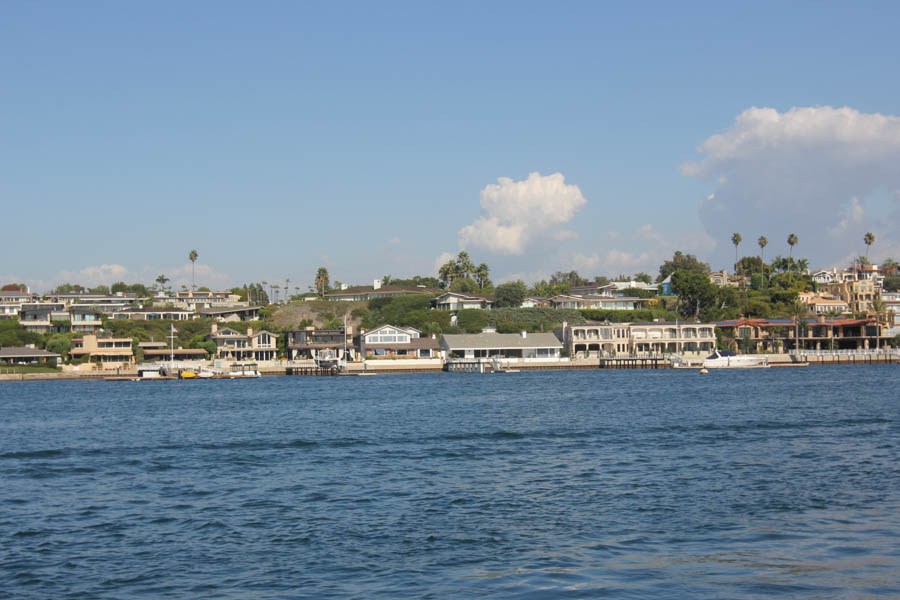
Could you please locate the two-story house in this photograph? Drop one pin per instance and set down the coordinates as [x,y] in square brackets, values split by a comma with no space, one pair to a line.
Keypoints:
[457,301]
[319,344]
[110,353]
[234,345]
[389,341]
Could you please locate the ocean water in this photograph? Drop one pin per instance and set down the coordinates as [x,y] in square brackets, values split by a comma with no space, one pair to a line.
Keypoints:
[591,484]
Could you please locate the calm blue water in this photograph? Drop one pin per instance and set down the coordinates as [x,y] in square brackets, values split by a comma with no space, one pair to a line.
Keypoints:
[613,484]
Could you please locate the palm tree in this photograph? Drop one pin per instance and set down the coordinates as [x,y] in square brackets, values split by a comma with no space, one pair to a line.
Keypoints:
[161,280]
[192,256]
[322,281]
[869,239]
[763,242]
[448,272]
[481,274]
[264,284]
[797,310]
[736,239]
[465,264]
[792,240]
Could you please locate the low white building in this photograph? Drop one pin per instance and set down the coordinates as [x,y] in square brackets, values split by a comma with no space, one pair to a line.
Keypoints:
[513,347]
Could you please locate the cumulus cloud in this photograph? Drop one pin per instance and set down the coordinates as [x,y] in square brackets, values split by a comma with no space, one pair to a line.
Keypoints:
[516,212]
[818,172]
[92,276]
[442,260]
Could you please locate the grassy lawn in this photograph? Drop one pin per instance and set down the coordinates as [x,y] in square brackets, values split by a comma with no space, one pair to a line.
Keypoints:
[4,369]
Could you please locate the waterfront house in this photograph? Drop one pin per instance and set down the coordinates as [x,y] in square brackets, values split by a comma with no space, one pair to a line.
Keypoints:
[457,301]
[514,347]
[234,345]
[178,354]
[109,352]
[605,339]
[821,333]
[389,341]
[318,344]
[27,355]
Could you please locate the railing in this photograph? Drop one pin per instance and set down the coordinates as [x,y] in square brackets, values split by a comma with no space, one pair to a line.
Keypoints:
[870,352]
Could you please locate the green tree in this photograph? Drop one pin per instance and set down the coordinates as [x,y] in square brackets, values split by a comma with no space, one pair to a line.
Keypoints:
[464,285]
[889,267]
[510,294]
[682,262]
[471,320]
[161,281]
[695,292]
[192,256]
[643,277]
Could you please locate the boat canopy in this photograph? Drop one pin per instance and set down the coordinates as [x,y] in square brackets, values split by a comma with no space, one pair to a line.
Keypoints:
[720,353]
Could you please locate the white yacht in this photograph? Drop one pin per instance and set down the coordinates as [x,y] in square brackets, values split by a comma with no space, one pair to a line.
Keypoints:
[725,359]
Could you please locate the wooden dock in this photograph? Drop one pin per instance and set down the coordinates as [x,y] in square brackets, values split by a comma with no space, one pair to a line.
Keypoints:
[313,371]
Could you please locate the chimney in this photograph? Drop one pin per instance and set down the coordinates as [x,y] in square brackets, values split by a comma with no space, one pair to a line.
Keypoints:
[249,331]
[524,334]
[214,328]
[434,336]
[376,284]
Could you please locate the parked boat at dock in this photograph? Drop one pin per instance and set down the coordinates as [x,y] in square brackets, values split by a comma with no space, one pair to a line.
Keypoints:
[725,359]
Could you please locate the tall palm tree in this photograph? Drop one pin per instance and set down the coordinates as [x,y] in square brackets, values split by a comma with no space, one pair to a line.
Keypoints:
[797,311]
[264,284]
[322,281]
[481,274]
[192,256]
[465,264]
[792,240]
[736,239]
[763,241]
[869,239]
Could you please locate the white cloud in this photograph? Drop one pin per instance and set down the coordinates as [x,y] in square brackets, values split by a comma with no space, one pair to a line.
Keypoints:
[93,276]
[516,212]
[798,171]
[441,260]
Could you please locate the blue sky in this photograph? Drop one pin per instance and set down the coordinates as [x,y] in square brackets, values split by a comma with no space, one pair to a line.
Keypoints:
[279,137]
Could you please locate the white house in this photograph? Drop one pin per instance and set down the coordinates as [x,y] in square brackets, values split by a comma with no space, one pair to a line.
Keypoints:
[457,301]
[515,347]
